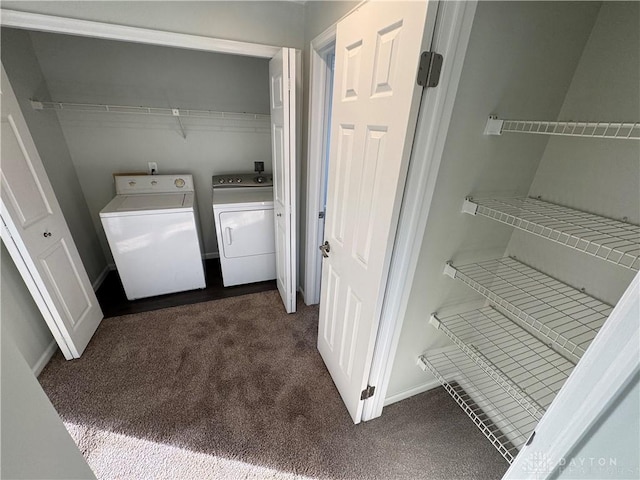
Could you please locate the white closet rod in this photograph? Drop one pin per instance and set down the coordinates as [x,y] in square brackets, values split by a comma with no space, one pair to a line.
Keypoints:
[174,112]
[615,130]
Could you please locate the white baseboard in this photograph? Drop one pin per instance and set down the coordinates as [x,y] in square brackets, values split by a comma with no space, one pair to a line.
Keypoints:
[98,281]
[209,256]
[44,358]
[411,392]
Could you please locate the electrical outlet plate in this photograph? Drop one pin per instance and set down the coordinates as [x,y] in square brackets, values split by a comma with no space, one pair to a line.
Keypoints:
[153,168]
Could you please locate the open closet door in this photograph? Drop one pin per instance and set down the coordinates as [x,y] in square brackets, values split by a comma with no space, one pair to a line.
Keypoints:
[375,105]
[282,81]
[38,239]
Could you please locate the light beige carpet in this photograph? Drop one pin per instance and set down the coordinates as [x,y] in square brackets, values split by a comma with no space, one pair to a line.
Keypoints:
[235,388]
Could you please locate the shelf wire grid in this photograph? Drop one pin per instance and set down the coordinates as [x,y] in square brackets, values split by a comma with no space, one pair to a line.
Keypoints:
[558,313]
[501,419]
[526,369]
[145,110]
[612,240]
[613,130]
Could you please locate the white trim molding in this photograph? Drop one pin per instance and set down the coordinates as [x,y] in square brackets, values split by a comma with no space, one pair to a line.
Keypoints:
[97,283]
[87,28]
[451,39]
[315,157]
[44,358]
[411,392]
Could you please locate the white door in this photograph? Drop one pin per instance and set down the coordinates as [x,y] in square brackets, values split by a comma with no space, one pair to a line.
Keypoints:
[38,238]
[375,103]
[282,83]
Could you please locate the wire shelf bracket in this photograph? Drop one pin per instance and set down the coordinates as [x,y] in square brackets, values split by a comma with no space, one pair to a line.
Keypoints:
[612,130]
[612,240]
[559,314]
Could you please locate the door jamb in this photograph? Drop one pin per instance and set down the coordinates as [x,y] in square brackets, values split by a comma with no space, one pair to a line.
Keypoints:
[451,38]
[315,156]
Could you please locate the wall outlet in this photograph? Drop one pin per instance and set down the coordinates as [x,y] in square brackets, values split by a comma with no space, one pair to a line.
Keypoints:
[153,168]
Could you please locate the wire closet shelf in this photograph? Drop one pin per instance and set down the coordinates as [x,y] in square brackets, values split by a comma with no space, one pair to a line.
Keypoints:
[256,121]
[559,314]
[611,130]
[525,368]
[612,240]
[502,420]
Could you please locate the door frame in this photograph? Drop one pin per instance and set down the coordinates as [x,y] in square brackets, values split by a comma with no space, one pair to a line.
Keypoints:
[107,31]
[316,158]
[450,39]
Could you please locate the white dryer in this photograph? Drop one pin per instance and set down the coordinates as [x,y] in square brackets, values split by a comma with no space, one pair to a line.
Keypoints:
[152,229]
[243,217]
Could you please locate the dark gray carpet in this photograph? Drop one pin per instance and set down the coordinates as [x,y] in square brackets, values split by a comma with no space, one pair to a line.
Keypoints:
[236,388]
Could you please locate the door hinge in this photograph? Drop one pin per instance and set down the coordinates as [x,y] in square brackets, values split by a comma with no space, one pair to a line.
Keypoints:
[429,70]
[367,392]
[321,215]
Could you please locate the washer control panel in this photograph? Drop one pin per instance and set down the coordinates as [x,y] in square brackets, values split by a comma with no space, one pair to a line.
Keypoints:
[242,180]
[139,184]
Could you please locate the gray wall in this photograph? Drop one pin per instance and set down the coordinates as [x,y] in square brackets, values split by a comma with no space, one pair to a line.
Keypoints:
[34,442]
[26,78]
[599,176]
[519,64]
[87,70]
[21,319]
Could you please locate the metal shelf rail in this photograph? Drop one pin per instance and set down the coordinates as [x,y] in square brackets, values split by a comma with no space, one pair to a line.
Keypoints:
[498,416]
[527,369]
[613,130]
[612,240]
[567,318]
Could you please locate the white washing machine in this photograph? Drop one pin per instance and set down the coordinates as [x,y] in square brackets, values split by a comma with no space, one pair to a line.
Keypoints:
[152,230]
[243,216]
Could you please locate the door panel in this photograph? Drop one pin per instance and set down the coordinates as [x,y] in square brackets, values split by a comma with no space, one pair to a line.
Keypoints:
[282,79]
[65,279]
[28,201]
[374,110]
[38,237]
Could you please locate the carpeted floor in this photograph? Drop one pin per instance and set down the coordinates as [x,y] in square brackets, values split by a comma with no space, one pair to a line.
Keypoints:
[235,388]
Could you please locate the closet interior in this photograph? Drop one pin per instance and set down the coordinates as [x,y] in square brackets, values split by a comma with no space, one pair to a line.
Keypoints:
[523,269]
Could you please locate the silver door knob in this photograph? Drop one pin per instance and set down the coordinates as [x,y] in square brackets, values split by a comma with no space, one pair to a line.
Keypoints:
[46,234]
[325,248]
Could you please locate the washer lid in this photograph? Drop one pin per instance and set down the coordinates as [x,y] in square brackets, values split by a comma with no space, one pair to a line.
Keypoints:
[148,204]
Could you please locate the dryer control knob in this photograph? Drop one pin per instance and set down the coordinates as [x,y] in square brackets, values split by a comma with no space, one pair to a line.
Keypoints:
[238,180]
[179,182]
[221,180]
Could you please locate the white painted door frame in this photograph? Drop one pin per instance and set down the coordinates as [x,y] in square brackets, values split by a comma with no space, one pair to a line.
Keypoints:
[316,159]
[86,28]
[450,39]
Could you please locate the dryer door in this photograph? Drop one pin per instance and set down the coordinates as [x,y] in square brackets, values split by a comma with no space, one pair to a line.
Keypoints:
[246,233]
